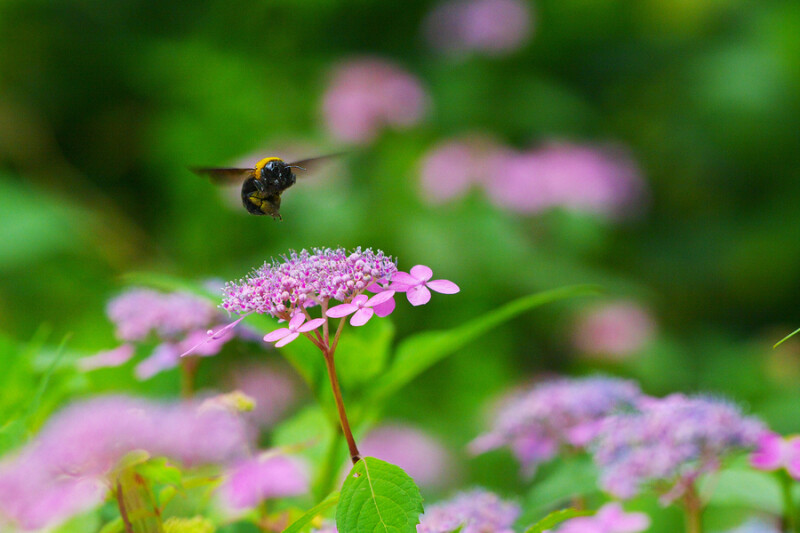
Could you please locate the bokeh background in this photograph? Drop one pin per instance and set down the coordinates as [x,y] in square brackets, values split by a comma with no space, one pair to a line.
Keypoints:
[648,147]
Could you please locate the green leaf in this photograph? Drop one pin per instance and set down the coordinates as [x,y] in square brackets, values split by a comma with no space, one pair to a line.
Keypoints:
[378,497]
[555,518]
[318,509]
[158,470]
[745,488]
[556,483]
[786,338]
[115,526]
[363,352]
[419,352]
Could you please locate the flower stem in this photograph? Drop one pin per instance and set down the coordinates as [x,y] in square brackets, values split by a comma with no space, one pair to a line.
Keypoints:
[789,514]
[693,507]
[355,456]
[188,367]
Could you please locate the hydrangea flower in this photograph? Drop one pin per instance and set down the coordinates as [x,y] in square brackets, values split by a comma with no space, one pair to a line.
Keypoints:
[476,511]
[269,475]
[450,168]
[610,518]
[494,27]
[362,307]
[178,320]
[564,412]
[614,330]
[668,443]
[416,285]
[66,469]
[367,95]
[775,452]
[421,455]
[297,325]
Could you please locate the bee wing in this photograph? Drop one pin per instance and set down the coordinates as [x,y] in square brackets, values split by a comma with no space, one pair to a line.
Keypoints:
[313,164]
[225,175]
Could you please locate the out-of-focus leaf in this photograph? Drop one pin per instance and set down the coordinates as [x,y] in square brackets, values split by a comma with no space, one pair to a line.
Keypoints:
[158,470]
[363,352]
[378,497]
[560,481]
[115,526]
[421,351]
[742,488]
[300,524]
[555,518]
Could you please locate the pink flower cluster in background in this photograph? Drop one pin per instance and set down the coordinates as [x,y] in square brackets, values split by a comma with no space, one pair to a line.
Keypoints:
[65,470]
[613,331]
[367,95]
[584,178]
[272,388]
[539,422]
[178,320]
[267,476]
[493,27]
[422,456]
[776,452]
[669,442]
[476,511]
[610,518]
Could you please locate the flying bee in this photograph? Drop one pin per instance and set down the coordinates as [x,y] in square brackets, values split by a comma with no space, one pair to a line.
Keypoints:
[263,185]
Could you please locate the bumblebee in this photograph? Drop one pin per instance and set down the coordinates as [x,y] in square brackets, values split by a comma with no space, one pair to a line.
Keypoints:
[263,185]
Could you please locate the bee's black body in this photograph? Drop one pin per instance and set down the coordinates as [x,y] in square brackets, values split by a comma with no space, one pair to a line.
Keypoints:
[261,194]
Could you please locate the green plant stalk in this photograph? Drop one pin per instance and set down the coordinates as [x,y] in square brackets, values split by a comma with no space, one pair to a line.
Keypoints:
[355,455]
[188,367]
[136,504]
[693,508]
[789,511]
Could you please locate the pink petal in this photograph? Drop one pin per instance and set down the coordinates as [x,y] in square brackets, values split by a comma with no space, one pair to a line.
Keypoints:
[215,335]
[419,295]
[297,320]
[362,316]
[768,454]
[421,272]
[375,287]
[360,300]
[379,298]
[443,286]
[116,357]
[341,310]
[403,279]
[311,324]
[276,335]
[384,309]
[164,357]
[287,339]
[792,456]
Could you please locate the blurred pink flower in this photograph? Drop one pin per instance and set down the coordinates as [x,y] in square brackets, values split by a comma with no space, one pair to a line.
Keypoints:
[270,475]
[422,456]
[416,283]
[494,27]
[449,169]
[581,178]
[610,518]
[115,357]
[367,95]
[775,452]
[614,330]
[361,307]
[273,390]
[66,469]
[476,511]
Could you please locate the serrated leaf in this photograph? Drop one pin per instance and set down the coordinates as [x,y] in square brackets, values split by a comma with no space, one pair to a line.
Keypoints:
[378,497]
[421,351]
[312,513]
[555,518]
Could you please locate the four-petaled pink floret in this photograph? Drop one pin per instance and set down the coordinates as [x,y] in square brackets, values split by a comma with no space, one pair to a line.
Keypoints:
[296,326]
[362,307]
[416,283]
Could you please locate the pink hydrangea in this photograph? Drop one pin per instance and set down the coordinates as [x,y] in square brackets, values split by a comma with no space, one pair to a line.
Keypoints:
[476,511]
[560,413]
[610,518]
[270,475]
[588,179]
[367,95]
[613,331]
[66,469]
[449,169]
[271,387]
[669,443]
[417,285]
[494,27]
[422,456]
[775,452]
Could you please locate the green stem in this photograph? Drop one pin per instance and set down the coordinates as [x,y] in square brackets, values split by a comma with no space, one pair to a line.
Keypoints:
[188,367]
[693,506]
[789,512]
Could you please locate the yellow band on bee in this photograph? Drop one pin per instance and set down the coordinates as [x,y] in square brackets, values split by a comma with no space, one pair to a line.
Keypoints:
[261,164]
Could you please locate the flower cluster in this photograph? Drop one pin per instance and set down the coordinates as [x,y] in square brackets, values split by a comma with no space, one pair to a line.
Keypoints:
[494,27]
[613,331]
[775,452]
[536,423]
[269,475]
[367,95]
[179,320]
[287,289]
[669,443]
[475,511]
[610,518]
[581,178]
[65,470]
